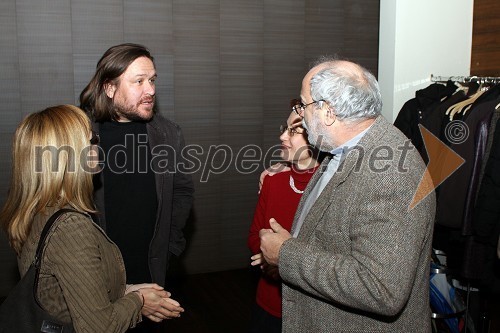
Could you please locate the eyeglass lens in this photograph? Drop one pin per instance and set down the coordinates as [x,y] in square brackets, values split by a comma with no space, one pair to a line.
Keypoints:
[291,130]
[296,105]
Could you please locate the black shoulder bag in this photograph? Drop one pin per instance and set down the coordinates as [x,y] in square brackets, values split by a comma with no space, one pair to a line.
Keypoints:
[21,311]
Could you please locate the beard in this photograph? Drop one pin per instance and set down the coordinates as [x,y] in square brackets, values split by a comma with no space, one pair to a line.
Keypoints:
[132,113]
[317,134]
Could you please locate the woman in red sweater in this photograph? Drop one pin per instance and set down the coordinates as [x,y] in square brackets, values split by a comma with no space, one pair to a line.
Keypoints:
[279,198]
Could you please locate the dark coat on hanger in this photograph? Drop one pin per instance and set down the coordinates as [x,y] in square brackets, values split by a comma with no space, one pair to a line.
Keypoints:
[486,222]
[441,119]
[453,192]
[435,119]
[416,110]
[457,195]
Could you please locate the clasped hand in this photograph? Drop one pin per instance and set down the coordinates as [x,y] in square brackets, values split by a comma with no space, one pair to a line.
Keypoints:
[271,241]
[270,271]
[157,302]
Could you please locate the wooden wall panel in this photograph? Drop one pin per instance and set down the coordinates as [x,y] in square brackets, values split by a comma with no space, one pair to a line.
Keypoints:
[284,49]
[196,29]
[96,25]
[351,32]
[10,113]
[150,23]
[10,94]
[486,39]
[241,118]
[45,53]
[227,71]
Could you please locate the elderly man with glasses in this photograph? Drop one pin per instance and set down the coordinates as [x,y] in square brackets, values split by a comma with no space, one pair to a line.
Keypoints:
[357,257]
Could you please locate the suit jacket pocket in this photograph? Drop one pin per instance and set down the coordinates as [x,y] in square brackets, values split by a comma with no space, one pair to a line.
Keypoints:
[331,241]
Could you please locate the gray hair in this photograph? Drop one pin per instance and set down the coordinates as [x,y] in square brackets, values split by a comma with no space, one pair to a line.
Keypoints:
[353,94]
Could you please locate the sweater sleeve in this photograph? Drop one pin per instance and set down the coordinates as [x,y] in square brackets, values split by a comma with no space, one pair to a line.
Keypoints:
[74,256]
[259,217]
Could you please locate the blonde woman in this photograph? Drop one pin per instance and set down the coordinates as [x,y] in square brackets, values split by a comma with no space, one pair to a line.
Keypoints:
[82,276]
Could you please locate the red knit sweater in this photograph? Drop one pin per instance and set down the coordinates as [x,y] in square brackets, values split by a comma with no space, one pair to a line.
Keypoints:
[278,200]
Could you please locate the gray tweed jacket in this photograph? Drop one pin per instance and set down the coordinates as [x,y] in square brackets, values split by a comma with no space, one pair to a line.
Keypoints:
[361,260]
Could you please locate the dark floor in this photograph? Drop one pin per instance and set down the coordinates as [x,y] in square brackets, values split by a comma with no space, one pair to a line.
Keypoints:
[218,302]
[221,302]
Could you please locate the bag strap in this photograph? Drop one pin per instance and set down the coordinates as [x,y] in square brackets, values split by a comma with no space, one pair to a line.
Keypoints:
[41,243]
[45,232]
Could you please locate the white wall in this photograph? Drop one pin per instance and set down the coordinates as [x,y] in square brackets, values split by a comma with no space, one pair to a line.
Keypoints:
[417,39]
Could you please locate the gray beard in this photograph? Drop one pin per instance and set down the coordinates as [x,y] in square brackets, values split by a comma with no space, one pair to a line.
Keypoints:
[315,138]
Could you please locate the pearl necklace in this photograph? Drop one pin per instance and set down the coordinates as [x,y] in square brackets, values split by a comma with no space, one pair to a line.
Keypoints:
[292,185]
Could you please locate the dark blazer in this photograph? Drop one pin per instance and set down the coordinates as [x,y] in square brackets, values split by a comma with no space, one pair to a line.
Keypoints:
[174,190]
[361,260]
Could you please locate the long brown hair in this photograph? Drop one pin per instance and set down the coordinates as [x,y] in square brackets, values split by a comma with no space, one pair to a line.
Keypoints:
[112,64]
[41,179]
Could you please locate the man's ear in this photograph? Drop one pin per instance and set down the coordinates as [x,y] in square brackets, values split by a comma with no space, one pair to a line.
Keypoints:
[330,115]
[110,89]
[329,111]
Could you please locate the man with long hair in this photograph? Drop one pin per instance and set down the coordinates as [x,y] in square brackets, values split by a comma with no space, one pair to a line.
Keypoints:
[143,198]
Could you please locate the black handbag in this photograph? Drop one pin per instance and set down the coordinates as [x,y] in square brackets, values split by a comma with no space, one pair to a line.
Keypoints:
[21,311]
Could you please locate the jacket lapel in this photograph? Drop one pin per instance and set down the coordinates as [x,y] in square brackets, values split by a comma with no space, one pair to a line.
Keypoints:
[346,167]
[326,197]
[157,138]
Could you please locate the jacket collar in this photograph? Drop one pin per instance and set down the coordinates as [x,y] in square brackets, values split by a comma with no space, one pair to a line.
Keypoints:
[354,158]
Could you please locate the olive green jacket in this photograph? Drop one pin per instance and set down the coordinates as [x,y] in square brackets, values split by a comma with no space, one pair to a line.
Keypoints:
[82,276]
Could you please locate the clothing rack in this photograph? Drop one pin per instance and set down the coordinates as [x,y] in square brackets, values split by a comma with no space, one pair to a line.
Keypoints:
[466,79]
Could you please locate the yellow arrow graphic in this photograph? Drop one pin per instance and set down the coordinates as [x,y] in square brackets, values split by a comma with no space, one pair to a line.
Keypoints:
[443,162]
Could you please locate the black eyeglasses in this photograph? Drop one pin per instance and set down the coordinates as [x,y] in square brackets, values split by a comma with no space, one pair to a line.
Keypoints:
[291,130]
[299,107]
[94,140]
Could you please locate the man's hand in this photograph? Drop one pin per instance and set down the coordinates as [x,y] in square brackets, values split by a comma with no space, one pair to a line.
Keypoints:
[271,241]
[271,171]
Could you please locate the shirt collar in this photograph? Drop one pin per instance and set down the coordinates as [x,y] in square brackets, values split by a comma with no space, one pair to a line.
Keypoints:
[349,144]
